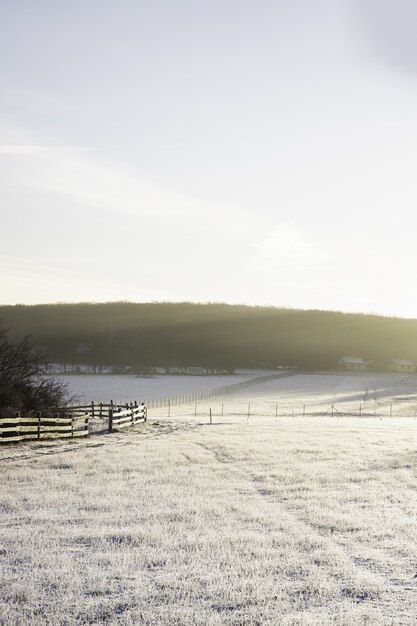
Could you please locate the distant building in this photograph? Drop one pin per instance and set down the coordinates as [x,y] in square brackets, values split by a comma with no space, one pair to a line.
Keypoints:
[352,363]
[401,365]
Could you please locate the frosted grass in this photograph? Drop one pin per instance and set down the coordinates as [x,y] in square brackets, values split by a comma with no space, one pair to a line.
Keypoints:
[294,522]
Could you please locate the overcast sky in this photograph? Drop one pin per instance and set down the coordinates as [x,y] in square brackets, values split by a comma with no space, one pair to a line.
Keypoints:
[248,152]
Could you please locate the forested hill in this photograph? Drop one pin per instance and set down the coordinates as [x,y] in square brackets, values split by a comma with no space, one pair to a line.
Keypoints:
[209,335]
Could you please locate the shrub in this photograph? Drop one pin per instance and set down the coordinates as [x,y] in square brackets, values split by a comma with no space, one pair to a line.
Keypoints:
[25,384]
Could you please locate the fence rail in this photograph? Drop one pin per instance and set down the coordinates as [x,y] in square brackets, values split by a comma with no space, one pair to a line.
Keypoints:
[71,421]
[62,425]
[125,416]
[118,415]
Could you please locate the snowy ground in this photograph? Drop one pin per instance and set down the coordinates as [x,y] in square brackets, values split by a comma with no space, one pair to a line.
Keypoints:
[269,521]
[313,394]
[129,388]
[380,395]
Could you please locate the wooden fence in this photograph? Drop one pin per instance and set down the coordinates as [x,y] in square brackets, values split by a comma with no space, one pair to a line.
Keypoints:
[71,421]
[61,425]
[125,416]
[117,415]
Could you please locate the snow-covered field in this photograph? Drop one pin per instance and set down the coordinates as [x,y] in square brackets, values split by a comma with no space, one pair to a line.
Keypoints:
[129,388]
[267,521]
[361,394]
[364,394]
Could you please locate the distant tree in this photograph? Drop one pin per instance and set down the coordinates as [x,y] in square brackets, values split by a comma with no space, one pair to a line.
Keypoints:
[142,370]
[25,385]
[178,335]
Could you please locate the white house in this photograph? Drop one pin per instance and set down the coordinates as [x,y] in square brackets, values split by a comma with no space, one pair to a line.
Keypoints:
[352,363]
[401,365]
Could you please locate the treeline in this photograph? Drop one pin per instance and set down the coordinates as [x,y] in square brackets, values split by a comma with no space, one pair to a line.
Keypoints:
[216,336]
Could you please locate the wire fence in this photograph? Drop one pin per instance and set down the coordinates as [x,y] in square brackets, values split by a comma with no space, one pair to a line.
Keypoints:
[200,403]
[203,394]
[221,409]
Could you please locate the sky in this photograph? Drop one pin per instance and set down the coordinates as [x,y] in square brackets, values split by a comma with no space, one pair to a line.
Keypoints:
[226,151]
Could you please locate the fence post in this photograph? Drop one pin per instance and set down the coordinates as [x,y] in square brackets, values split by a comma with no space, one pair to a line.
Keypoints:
[92,408]
[248,411]
[390,410]
[195,409]
[111,417]
[17,415]
[169,408]
[39,415]
[222,408]
[276,409]
[211,419]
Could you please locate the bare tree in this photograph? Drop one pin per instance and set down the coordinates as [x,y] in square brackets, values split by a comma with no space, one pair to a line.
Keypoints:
[25,383]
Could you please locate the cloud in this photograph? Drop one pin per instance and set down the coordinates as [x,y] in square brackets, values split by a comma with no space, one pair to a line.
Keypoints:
[79,179]
[82,179]
[285,247]
[390,29]
[90,182]
[29,268]
[36,149]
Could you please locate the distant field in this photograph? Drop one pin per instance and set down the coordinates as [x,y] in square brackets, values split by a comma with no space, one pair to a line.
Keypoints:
[369,394]
[128,388]
[267,521]
[314,393]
